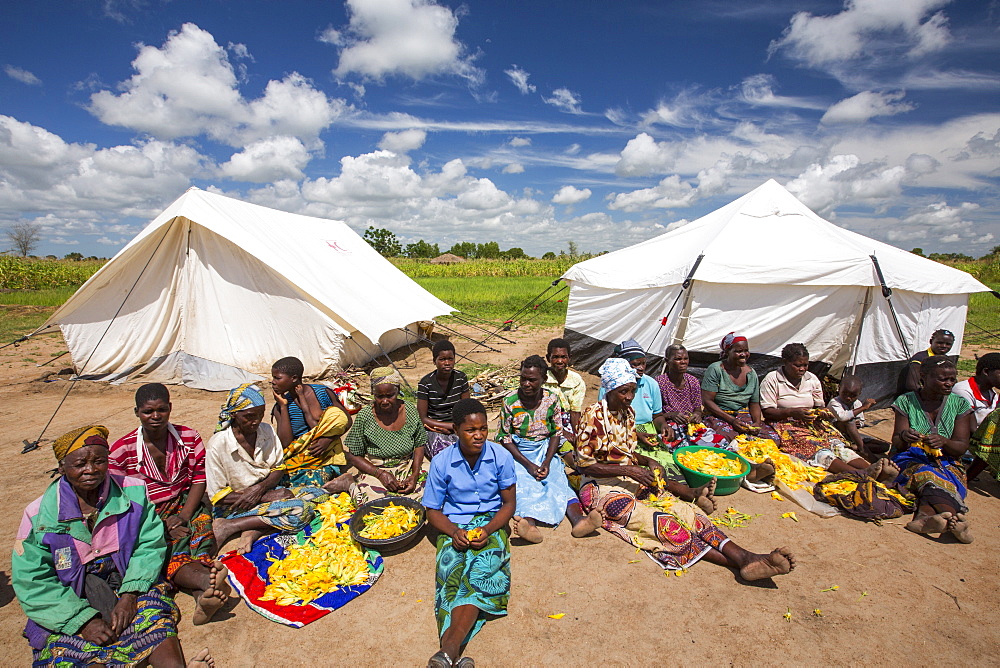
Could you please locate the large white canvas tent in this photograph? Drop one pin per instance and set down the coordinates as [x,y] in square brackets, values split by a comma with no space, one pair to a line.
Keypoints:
[769,268]
[214,290]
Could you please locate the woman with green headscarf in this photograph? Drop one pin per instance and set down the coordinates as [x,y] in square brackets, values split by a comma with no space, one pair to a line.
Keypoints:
[386,443]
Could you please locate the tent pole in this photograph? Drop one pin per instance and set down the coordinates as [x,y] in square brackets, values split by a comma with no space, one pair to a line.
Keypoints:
[684,287]
[462,318]
[861,326]
[887,293]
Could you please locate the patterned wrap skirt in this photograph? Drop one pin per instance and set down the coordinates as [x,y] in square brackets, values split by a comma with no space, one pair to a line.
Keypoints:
[155,620]
[724,429]
[198,546]
[676,534]
[368,487]
[542,500]
[473,577]
[287,515]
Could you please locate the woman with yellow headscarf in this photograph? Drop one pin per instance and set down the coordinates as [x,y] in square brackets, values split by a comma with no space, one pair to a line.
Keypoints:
[88,564]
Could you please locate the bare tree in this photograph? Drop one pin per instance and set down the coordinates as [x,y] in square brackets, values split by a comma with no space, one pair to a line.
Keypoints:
[25,237]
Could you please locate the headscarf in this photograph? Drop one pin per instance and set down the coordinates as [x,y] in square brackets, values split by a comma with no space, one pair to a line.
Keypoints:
[240,398]
[730,340]
[385,375]
[80,437]
[616,372]
[629,350]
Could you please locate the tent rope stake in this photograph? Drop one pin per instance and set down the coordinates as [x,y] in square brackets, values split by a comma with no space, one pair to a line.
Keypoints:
[28,447]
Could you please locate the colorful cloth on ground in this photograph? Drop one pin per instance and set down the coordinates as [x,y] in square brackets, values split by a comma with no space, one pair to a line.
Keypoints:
[776,391]
[368,438]
[542,500]
[985,443]
[542,421]
[301,466]
[675,534]
[571,391]
[724,429]
[685,399]
[952,408]
[983,403]
[54,544]
[472,577]
[461,492]
[868,501]
[440,400]
[285,515]
[616,372]
[240,398]
[296,418]
[229,468]
[248,575]
[79,438]
[728,395]
[805,440]
[368,487]
[385,375]
[198,546]
[606,437]
[185,462]
[647,401]
[436,442]
[155,620]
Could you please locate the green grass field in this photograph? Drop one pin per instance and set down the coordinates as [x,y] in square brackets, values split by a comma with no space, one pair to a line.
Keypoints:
[499,298]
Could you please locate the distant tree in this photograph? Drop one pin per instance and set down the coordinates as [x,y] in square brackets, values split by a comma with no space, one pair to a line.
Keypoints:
[489,250]
[73,256]
[549,256]
[422,249]
[24,236]
[574,250]
[994,252]
[918,251]
[91,258]
[384,241]
[465,249]
[514,254]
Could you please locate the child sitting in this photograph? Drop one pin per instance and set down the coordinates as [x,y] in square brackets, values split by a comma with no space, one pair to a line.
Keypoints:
[849,415]
[470,499]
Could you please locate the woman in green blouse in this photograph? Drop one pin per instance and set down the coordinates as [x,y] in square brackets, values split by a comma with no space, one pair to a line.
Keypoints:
[386,443]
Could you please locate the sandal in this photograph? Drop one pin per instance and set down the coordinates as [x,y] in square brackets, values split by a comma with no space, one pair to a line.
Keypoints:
[439,660]
[465,662]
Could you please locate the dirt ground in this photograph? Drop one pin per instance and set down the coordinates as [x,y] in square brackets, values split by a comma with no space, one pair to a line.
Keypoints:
[902,598]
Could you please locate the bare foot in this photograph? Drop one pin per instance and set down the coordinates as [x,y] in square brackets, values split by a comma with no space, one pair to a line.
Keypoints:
[704,497]
[214,597]
[760,471]
[202,660]
[761,566]
[875,470]
[889,471]
[959,528]
[247,540]
[587,525]
[341,483]
[929,523]
[525,528]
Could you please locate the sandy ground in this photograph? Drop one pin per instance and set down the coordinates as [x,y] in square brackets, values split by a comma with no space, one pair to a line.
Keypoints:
[902,598]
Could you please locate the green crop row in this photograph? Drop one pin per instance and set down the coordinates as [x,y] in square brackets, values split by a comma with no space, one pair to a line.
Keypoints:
[29,274]
[471,268]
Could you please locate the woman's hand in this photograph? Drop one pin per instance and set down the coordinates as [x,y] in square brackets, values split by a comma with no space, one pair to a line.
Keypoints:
[97,632]
[280,399]
[249,497]
[409,484]
[460,539]
[123,612]
[541,472]
[388,480]
[480,542]
[641,475]
[318,447]
[910,435]
[935,440]
[176,527]
[801,414]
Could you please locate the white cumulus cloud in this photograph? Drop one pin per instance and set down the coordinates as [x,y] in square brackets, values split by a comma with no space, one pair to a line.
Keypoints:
[518,142]
[564,99]
[412,38]
[270,159]
[571,195]
[404,141]
[865,105]
[514,168]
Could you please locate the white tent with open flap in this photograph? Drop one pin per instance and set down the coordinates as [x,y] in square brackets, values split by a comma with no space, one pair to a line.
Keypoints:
[770,269]
[214,290]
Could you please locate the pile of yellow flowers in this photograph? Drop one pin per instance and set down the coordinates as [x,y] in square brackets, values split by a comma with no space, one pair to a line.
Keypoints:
[391,522]
[330,558]
[789,470]
[711,462]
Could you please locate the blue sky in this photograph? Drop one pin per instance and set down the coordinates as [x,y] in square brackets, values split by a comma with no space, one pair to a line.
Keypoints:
[527,123]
